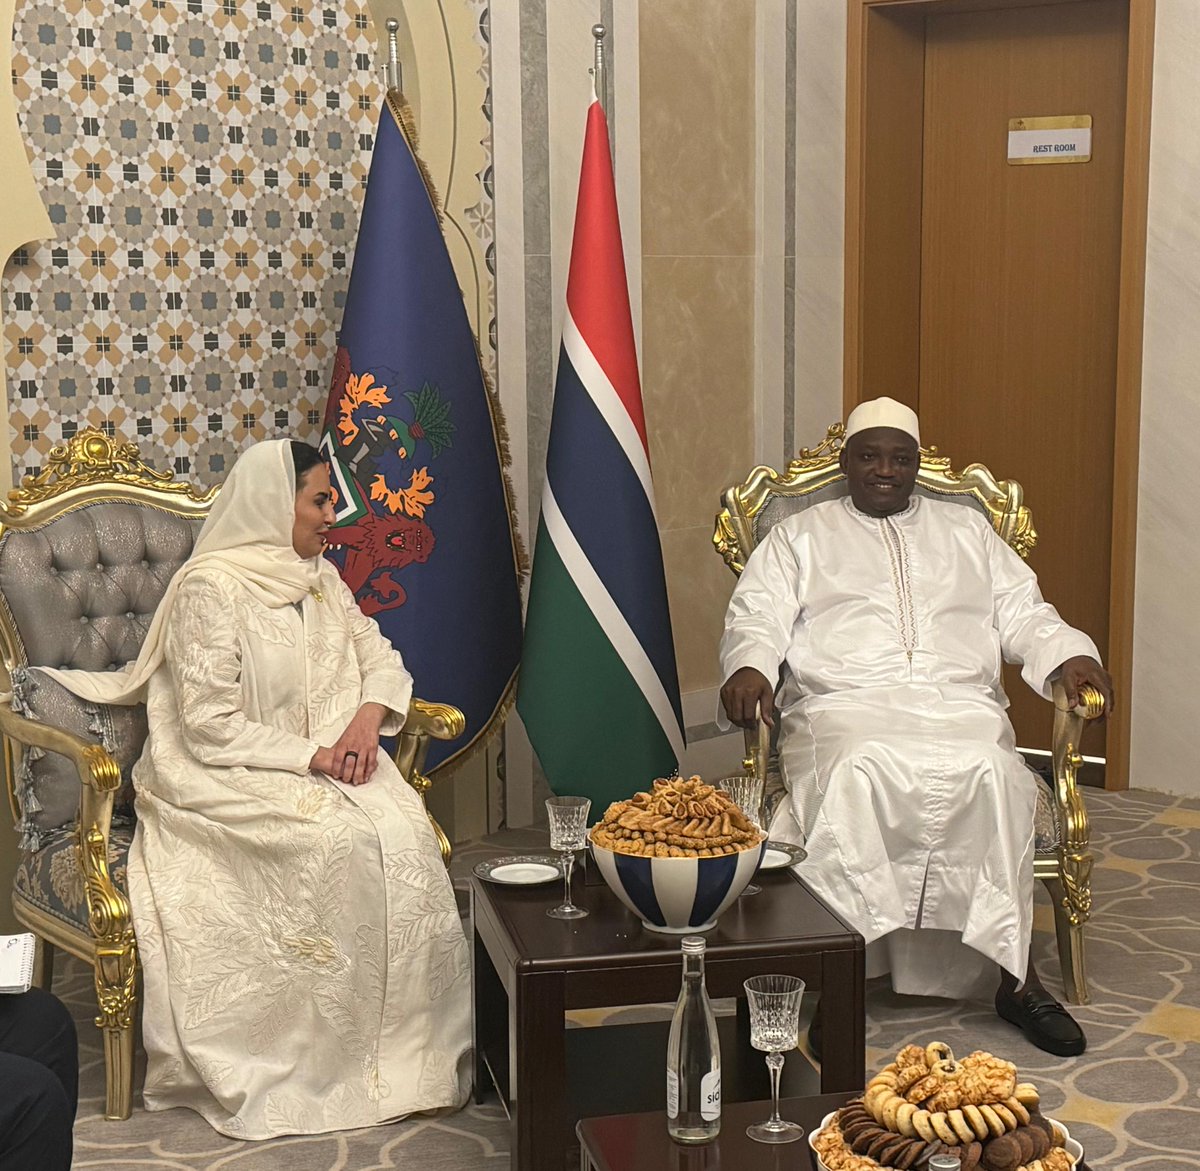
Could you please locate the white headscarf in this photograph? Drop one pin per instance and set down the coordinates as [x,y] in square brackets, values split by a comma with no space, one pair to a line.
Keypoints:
[248,534]
[883,412]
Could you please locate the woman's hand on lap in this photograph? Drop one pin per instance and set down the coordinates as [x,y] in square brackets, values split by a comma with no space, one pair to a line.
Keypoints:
[322,761]
[356,753]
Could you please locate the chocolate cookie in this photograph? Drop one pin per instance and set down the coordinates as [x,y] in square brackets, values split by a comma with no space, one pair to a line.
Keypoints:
[1002,1154]
[936,1147]
[887,1155]
[909,1156]
[1022,1135]
[861,1142]
[875,1147]
[851,1131]
[1041,1141]
[972,1154]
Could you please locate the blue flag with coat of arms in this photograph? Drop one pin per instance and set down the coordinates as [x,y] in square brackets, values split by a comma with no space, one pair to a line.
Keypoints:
[425,536]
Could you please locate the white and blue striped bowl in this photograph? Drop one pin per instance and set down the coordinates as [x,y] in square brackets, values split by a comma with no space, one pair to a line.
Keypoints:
[678,895]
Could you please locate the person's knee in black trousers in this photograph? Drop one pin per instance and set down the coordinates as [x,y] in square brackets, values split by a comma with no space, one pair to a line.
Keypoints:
[39,1082]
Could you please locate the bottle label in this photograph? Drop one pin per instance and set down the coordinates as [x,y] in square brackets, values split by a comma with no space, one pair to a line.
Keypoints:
[710,1095]
[672,1094]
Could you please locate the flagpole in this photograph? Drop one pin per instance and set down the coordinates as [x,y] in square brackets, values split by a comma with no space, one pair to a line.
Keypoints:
[392,75]
[598,68]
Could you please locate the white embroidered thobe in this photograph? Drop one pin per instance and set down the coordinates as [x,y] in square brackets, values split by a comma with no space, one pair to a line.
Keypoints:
[901,765]
[305,968]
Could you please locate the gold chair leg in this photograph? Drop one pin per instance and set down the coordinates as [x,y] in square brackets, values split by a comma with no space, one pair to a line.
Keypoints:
[43,964]
[1070,945]
[116,993]
[118,1073]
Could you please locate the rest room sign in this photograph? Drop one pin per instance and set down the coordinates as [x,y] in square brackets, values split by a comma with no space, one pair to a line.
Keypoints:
[1066,138]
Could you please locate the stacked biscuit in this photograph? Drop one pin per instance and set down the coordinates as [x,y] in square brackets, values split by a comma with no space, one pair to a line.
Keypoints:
[926,1103]
[678,818]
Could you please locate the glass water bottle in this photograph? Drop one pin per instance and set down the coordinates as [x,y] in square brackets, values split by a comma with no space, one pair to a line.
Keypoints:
[693,1056]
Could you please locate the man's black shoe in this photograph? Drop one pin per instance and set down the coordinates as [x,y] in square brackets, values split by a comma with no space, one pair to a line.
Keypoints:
[814,1034]
[1043,1021]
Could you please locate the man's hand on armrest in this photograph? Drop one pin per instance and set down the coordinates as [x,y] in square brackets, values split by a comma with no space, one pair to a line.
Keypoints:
[744,690]
[1082,669]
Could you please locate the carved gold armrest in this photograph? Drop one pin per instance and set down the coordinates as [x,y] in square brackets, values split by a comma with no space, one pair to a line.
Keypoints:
[97,769]
[758,751]
[108,908]
[1065,744]
[1074,851]
[425,722]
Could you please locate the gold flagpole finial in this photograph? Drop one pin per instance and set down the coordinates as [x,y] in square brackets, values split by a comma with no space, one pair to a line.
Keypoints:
[393,56]
[599,32]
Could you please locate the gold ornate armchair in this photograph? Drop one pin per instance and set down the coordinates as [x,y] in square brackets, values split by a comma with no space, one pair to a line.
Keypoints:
[87,547]
[1063,859]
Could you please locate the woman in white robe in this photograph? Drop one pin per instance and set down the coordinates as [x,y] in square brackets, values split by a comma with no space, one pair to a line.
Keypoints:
[304,965]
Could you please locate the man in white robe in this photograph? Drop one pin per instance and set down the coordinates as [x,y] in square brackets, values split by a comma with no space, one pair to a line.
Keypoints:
[892,614]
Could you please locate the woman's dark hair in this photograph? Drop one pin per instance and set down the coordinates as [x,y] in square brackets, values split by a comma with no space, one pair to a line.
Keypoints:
[305,457]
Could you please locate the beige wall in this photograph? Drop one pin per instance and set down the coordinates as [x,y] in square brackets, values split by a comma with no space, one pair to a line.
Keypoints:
[698,281]
[1166,632]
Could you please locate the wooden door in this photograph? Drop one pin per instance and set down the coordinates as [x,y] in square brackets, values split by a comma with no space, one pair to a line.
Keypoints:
[1020,281]
[1005,302]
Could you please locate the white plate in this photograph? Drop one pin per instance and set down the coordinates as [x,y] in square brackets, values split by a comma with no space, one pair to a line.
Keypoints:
[520,870]
[1073,1148]
[781,854]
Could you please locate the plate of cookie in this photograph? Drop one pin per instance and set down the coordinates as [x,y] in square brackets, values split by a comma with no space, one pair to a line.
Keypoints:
[926,1102]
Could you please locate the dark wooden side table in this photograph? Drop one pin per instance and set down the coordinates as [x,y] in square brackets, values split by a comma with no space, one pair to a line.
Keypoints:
[639,1142]
[530,970]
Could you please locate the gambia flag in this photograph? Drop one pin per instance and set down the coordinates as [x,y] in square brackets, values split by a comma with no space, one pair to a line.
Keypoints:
[599,693]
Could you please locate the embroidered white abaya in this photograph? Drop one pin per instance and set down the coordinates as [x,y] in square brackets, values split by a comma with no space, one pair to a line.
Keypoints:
[900,762]
[304,965]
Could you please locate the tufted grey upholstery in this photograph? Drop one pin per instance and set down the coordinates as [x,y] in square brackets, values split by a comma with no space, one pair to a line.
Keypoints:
[83,587]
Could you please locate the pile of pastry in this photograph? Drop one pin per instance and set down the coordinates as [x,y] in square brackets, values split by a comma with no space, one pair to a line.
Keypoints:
[927,1103]
[678,818]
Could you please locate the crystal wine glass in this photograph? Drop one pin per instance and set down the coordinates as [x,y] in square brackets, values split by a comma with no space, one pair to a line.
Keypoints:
[568,833]
[774,1028]
[746,792]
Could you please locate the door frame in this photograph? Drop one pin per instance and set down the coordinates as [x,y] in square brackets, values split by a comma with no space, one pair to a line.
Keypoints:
[884,60]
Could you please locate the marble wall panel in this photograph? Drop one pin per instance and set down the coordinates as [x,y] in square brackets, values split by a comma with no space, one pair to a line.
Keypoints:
[698,587]
[1166,633]
[698,129]
[817,314]
[818,208]
[697,380]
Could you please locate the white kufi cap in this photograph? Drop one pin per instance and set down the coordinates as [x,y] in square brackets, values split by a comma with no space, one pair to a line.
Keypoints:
[883,412]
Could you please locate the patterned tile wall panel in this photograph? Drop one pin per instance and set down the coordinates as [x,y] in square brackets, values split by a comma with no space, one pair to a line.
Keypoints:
[203,162]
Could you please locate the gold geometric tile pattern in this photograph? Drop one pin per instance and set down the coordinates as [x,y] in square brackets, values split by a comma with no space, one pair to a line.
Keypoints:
[203,162]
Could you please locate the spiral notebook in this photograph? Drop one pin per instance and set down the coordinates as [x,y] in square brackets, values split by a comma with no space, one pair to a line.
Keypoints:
[16,962]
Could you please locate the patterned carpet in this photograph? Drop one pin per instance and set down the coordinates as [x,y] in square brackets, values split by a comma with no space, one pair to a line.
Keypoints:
[1131,1099]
